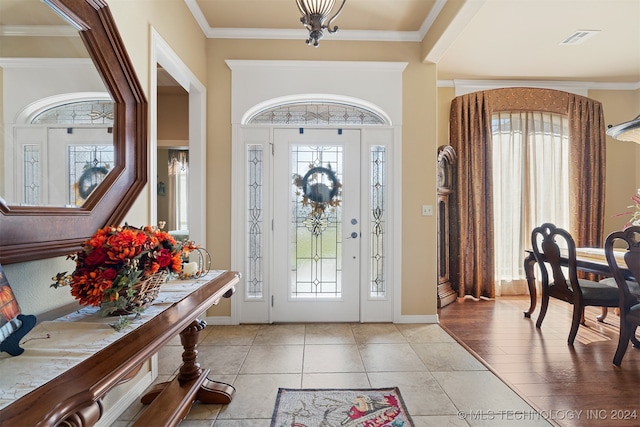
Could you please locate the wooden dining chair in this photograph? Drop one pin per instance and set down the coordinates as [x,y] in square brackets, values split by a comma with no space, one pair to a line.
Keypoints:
[628,287]
[551,245]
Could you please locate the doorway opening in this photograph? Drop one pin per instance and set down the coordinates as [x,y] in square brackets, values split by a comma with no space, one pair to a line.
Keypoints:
[178,124]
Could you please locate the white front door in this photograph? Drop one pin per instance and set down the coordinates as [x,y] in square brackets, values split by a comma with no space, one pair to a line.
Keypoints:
[316,225]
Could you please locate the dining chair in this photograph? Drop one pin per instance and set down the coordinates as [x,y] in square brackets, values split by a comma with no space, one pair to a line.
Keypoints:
[628,287]
[554,247]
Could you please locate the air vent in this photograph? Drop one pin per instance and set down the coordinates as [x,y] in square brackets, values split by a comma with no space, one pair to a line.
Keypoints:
[579,36]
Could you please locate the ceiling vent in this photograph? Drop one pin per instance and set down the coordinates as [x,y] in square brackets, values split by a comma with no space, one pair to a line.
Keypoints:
[579,36]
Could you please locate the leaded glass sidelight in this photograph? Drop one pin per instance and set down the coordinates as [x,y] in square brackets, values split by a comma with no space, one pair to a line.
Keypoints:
[32,174]
[316,222]
[255,225]
[377,193]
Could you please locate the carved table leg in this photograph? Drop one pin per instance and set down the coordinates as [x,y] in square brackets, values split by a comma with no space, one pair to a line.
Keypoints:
[209,391]
[529,263]
[190,368]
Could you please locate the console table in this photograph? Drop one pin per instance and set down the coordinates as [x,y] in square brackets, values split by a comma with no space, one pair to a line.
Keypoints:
[73,398]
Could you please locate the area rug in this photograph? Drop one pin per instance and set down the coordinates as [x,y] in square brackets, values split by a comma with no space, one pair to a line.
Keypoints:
[340,408]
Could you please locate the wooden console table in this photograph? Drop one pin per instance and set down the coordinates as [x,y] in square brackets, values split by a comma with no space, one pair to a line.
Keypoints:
[73,398]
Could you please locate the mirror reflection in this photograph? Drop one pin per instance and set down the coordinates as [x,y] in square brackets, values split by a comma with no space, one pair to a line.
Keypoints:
[172,156]
[58,116]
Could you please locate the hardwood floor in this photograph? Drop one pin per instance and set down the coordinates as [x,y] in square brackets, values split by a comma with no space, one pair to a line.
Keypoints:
[572,386]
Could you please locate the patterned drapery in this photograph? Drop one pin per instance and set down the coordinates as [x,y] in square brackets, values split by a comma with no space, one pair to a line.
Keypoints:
[471,213]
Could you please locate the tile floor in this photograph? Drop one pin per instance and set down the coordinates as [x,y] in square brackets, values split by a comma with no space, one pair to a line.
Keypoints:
[438,379]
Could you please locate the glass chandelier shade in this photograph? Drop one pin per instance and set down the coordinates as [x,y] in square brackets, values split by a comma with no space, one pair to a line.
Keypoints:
[314,15]
[628,131]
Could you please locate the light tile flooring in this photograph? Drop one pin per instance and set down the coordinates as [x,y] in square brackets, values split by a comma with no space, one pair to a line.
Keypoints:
[441,383]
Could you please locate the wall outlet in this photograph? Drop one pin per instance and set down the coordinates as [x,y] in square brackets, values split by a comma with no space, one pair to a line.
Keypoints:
[427,210]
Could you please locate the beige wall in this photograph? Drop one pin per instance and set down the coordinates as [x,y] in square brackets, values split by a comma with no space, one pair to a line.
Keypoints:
[419,145]
[623,158]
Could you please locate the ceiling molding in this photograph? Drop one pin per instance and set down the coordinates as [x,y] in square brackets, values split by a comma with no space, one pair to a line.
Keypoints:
[431,18]
[46,62]
[38,31]
[250,64]
[301,33]
[493,84]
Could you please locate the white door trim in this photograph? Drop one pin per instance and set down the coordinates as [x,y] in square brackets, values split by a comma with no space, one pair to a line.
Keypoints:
[384,309]
[162,54]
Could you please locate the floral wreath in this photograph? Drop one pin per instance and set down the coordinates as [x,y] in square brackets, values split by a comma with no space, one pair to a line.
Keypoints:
[315,193]
[90,179]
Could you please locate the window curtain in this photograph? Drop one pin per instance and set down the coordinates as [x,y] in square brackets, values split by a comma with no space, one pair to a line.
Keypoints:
[176,188]
[530,159]
[472,220]
[471,239]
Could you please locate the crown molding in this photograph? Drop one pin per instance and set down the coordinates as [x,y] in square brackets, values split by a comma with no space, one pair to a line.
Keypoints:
[251,64]
[301,33]
[38,31]
[46,62]
[494,84]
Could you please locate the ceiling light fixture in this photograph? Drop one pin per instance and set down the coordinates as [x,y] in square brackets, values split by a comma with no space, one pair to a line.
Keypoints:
[314,13]
[627,131]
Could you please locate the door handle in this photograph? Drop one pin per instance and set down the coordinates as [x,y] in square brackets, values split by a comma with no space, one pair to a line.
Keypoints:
[354,235]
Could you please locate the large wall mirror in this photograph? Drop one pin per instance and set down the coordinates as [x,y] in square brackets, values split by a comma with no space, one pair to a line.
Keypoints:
[74,147]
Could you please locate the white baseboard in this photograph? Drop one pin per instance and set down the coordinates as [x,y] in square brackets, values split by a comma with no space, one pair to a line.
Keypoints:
[428,318]
[219,320]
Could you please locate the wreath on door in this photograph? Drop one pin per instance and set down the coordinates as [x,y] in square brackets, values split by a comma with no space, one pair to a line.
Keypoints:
[90,179]
[319,188]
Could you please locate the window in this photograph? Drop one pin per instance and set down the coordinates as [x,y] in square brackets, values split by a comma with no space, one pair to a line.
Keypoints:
[530,186]
[178,190]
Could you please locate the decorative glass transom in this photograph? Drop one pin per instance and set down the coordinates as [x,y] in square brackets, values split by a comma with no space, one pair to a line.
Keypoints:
[82,112]
[320,113]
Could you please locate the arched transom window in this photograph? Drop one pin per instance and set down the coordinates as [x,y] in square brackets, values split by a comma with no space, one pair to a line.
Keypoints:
[77,113]
[317,113]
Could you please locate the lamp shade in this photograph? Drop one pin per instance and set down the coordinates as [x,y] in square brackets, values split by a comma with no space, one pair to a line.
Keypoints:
[627,131]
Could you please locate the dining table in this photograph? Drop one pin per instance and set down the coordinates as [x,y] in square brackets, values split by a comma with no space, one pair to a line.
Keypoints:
[588,260]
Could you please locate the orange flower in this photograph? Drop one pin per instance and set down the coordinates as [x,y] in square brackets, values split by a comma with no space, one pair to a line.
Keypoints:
[115,259]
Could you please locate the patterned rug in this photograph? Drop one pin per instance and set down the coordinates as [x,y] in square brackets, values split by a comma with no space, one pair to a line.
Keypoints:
[340,408]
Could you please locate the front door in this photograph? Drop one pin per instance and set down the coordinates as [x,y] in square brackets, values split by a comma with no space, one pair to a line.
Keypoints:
[316,225]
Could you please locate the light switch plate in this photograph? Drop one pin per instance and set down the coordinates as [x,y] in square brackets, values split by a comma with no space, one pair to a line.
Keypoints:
[427,210]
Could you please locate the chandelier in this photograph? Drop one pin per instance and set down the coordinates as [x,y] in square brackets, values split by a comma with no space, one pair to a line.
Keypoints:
[628,131]
[314,14]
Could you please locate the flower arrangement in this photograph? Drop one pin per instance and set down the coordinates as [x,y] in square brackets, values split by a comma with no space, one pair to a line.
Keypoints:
[115,259]
[635,212]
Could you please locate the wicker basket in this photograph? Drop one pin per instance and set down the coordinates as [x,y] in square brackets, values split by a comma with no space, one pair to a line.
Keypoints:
[145,292]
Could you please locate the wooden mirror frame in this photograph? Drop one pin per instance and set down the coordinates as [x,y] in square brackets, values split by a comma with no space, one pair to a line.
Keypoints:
[35,232]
